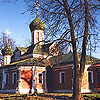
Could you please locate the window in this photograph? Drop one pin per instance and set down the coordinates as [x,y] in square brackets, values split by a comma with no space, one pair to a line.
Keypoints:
[14,77]
[5,60]
[90,79]
[98,76]
[40,78]
[0,80]
[38,36]
[0,77]
[90,76]
[62,77]
[6,77]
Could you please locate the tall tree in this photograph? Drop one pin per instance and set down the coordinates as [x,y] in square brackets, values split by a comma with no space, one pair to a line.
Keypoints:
[72,21]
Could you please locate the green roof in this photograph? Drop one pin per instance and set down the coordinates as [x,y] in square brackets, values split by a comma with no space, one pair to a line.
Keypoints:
[28,62]
[68,59]
[37,24]
[38,49]
[62,59]
[23,49]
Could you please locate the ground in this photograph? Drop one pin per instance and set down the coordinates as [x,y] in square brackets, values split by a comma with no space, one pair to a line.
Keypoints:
[46,96]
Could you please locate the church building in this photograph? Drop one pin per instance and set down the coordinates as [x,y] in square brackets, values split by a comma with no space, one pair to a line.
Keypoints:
[40,68]
[24,70]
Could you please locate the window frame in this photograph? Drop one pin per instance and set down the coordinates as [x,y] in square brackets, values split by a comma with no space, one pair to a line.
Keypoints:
[6,60]
[97,76]
[62,81]
[13,77]
[6,78]
[41,78]
[38,38]
[1,78]
[91,76]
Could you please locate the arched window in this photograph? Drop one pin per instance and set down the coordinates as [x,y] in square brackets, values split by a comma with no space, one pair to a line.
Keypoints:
[40,78]
[5,60]
[38,36]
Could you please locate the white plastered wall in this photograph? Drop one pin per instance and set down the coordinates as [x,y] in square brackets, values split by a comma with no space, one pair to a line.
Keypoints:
[85,81]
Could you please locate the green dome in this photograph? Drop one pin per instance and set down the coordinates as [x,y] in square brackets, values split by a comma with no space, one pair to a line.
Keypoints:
[37,24]
[37,49]
[7,50]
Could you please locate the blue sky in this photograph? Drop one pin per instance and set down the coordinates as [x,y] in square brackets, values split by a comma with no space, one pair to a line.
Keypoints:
[12,20]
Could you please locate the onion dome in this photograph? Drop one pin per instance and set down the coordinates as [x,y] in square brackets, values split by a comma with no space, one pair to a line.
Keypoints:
[37,24]
[38,49]
[7,51]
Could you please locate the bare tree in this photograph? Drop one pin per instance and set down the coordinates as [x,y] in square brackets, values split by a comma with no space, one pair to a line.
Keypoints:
[72,21]
[5,40]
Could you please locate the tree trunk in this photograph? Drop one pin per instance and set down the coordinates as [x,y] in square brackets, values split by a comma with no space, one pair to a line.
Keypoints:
[77,71]
[76,88]
[80,72]
[85,42]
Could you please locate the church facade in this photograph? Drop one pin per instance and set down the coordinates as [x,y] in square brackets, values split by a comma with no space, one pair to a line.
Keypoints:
[24,70]
[31,69]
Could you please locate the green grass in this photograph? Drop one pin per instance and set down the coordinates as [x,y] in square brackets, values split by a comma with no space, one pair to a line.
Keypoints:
[93,95]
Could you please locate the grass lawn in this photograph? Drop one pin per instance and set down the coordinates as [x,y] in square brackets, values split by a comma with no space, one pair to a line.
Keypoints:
[97,95]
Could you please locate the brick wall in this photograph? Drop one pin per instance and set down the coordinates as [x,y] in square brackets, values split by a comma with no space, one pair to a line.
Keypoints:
[67,85]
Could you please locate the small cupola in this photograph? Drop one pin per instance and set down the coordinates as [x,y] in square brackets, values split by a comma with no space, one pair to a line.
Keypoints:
[7,53]
[37,28]
[37,24]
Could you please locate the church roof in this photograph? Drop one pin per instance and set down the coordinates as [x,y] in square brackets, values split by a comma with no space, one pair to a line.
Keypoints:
[55,61]
[28,62]
[37,24]
[22,49]
[37,49]
[68,59]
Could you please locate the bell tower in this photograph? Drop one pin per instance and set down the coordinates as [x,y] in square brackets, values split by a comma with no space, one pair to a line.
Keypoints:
[37,30]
